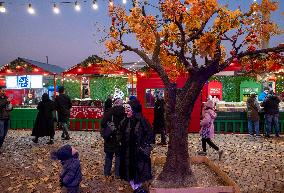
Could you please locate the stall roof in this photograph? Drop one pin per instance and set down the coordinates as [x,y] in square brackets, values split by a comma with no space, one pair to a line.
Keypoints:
[94,67]
[47,67]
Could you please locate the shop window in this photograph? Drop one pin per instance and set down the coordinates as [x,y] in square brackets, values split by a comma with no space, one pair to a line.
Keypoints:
[151,94]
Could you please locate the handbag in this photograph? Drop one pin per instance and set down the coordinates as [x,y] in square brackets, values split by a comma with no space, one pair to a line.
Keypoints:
[109,129]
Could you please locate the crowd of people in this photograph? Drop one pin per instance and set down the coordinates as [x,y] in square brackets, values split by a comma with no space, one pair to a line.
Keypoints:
[128,136]
[270,103]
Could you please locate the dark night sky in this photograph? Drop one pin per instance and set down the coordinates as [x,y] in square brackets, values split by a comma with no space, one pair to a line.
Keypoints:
[70,37]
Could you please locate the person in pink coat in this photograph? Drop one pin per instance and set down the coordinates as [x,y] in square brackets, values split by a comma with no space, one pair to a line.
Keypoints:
[207,128]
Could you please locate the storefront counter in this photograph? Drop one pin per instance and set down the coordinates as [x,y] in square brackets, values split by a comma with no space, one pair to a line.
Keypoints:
[85,118]
[23,118]
[236,122]
[82,118]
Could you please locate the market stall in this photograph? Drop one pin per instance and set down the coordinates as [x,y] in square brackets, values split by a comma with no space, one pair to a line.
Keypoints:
[25,81]
[149,85]
[88,84]
[232,109]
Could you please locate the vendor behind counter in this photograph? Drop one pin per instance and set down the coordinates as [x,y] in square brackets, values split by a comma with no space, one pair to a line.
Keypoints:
[31,100]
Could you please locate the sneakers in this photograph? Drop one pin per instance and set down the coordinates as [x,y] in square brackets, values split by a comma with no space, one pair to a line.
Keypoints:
[140,190]
[35,140]
[202,153]
[220,153]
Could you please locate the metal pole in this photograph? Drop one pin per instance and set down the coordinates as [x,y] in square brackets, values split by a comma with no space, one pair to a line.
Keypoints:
[54,85]
[132,86]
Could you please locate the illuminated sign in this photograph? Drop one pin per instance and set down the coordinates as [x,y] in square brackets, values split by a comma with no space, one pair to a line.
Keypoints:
[23,81]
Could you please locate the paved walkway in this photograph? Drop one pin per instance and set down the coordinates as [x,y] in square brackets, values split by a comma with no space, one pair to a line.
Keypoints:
[257,165]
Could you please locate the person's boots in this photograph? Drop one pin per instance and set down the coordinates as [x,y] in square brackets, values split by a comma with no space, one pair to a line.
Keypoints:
[220,153]
[63,136]
[35,140]
[50,141]
[67,137]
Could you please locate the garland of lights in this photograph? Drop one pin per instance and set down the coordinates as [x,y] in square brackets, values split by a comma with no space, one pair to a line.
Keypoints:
[18,64]
[94,59]
[56,9]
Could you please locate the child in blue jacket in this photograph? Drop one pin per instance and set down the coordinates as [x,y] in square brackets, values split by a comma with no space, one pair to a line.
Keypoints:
[71,175]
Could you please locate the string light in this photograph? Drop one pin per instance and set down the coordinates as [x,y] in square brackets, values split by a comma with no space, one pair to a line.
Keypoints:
[124,1]
[95,5]
[56,10]
[2,8]
[77,6]
[111,3]
[31,9]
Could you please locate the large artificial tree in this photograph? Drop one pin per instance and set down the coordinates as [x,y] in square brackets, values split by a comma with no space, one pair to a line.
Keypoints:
[199,38]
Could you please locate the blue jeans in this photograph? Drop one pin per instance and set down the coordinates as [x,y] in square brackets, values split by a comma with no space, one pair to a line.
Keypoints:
[269,119]
[64,127]
[108,163]
[256,127]
[4,124]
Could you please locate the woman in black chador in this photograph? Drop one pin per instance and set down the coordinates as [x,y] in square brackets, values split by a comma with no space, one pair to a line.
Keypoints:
[136,139]
[159,119]
[44,123]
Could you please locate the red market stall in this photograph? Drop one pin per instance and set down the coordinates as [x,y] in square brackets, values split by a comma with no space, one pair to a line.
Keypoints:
[25,81]
[23,77]
[148,85]
[86,112]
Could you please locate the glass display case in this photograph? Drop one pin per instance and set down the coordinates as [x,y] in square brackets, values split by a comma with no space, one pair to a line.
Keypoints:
[223,106]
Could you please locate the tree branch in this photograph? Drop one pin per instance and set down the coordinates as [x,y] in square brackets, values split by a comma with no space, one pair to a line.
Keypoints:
[152,63]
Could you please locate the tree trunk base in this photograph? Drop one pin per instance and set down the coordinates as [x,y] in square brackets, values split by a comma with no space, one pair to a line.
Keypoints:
[177,177]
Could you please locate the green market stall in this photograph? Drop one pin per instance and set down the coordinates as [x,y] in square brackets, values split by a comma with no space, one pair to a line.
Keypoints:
[232,111]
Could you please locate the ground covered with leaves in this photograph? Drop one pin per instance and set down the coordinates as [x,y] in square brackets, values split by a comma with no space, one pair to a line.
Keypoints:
[255,164]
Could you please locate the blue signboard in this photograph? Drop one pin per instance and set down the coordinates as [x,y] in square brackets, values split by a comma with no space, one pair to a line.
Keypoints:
[24,81]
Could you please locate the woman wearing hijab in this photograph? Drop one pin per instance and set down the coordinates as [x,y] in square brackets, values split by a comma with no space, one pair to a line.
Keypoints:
[44,123]
[136,139]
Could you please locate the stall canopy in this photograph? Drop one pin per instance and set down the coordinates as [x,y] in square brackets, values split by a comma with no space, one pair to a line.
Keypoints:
[27,66]
[93,65]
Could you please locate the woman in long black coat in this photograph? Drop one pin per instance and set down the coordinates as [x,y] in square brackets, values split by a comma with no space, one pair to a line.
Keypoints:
[44,123]
[136,139]
[159,120]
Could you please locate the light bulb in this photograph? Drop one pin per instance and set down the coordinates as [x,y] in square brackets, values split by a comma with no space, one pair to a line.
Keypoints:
[111,3]
[56,10]
[2,8]
[77,6]
[124,1]
[95,5]
[31,9]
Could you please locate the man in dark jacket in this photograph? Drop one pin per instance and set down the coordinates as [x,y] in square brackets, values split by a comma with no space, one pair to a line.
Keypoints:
[111,142]
[253,116]
[271,110]
[159,120]
[63,106]
[5,108]
[108,103]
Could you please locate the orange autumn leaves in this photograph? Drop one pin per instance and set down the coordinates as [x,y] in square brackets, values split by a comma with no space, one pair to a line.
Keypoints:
[191,15]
